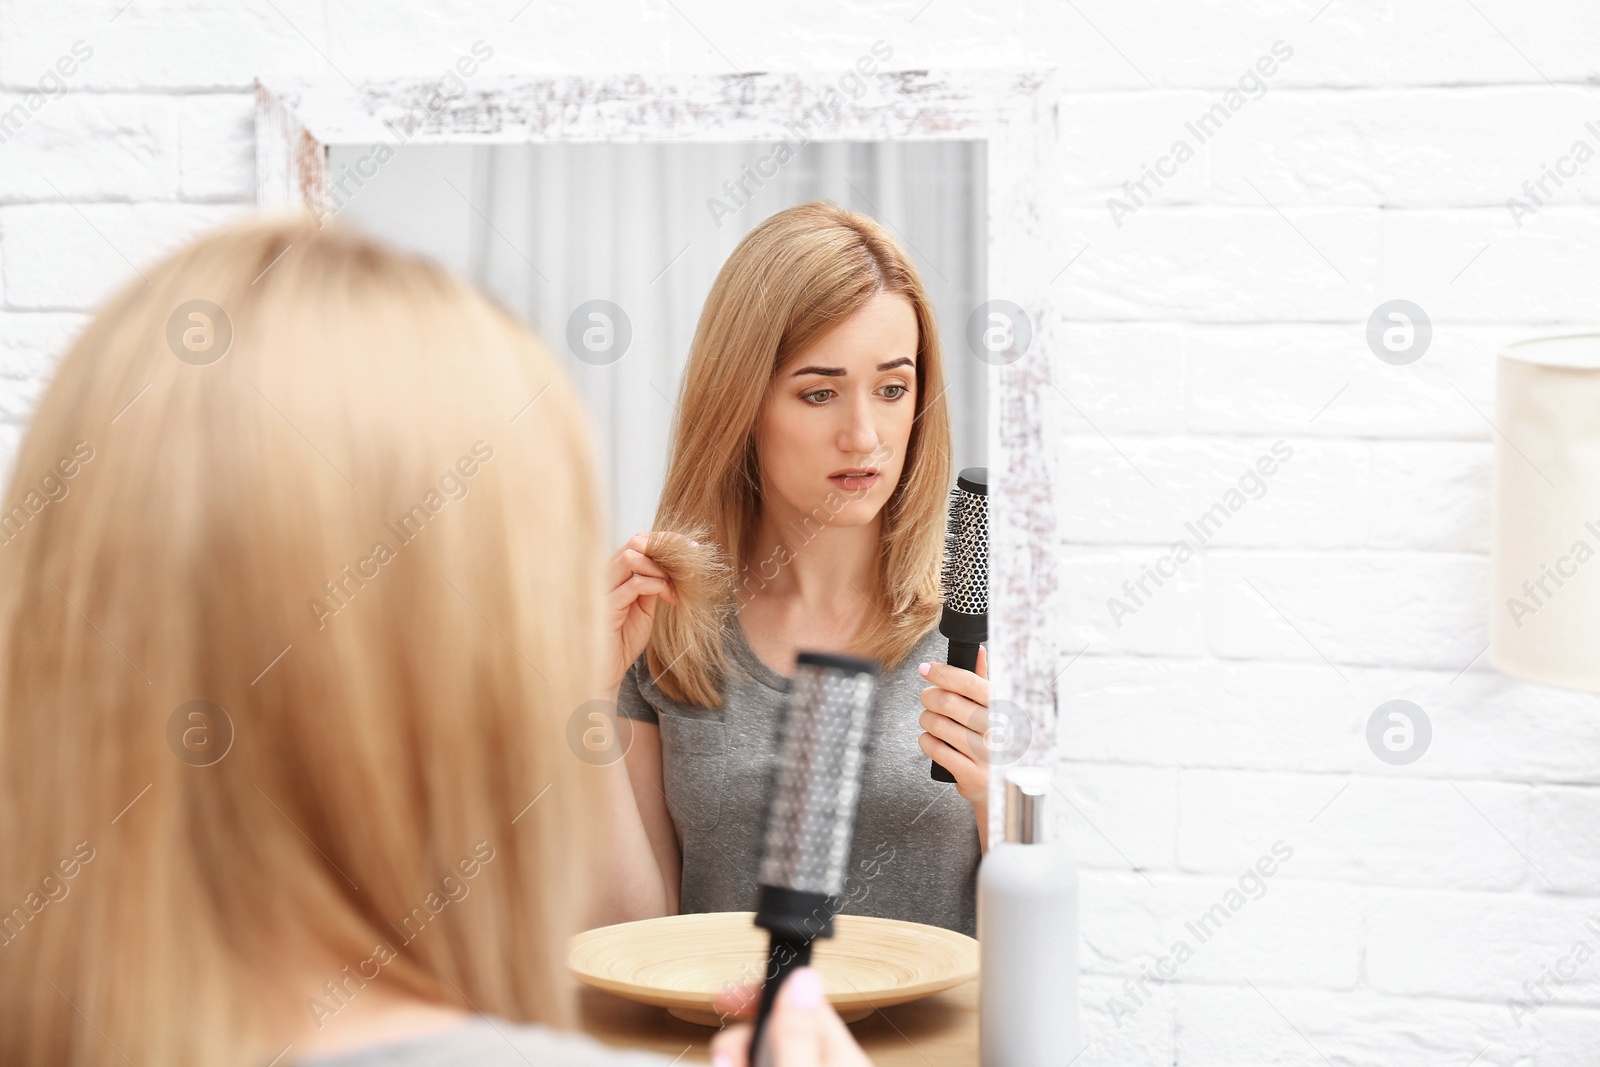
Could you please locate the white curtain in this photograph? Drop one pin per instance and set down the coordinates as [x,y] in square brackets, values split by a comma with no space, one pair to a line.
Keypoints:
[547,228]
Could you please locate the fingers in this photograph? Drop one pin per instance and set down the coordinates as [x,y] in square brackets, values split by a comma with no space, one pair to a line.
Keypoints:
[638,586]
[634,547]
[631,561]
[964,683]
[963,712]
[839,1048]
[972,777]
[964,739]
[731,1047]
[669,535]
[737,1001]
[641,543]
[805,1031]
[952,759]
[794,1033]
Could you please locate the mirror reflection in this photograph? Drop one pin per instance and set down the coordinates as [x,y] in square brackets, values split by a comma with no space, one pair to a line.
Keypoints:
[772,354]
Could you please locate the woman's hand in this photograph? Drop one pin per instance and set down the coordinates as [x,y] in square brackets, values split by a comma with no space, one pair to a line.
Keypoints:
[803,1030]
[956,720]
[635,580]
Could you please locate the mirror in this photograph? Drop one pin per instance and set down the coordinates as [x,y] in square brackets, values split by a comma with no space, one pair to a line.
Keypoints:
[554,192]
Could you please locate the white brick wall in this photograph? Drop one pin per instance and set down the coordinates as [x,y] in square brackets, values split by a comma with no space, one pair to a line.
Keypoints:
[1225,314]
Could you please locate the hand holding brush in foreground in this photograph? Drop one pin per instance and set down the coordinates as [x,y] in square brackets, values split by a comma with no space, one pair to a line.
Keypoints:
[802,1031]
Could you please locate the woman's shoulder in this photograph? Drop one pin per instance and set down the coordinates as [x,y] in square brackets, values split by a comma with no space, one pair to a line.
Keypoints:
[642,698]
[639,697]
[931,647]
[484,1041]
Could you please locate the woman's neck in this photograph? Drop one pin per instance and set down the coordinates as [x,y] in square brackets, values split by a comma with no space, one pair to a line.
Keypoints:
[815,569]
[319,1017]
[377,1023]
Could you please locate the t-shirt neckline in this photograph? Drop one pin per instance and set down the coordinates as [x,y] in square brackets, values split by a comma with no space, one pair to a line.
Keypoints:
[754,664]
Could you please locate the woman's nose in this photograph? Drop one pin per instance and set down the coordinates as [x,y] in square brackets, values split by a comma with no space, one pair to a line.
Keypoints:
[861,435]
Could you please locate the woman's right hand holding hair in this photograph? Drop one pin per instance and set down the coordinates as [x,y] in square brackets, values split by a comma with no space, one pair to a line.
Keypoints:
[803,1030]
[635,580]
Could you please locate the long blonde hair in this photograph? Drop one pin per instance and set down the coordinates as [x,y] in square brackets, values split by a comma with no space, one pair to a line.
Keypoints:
[387,719]
[790,280]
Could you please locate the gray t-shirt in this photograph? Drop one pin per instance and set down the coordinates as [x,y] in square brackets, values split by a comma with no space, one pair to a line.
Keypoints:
[915,851]
[486,1041]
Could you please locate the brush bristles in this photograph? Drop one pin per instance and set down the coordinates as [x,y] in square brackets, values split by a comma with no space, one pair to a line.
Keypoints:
[966,554]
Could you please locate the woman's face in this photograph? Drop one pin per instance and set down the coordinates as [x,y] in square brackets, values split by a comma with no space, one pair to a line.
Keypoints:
[843,405]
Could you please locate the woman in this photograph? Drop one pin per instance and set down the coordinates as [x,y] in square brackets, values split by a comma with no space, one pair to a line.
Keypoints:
[287,654]
[804,508]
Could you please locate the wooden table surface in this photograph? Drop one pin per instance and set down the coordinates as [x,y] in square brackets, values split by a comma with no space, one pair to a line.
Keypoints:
[936,1031]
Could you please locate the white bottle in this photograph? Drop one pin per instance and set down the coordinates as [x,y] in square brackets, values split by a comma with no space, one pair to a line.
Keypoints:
[1027,936]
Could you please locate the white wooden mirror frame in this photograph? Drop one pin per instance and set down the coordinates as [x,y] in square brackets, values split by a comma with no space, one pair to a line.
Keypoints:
[1013,112]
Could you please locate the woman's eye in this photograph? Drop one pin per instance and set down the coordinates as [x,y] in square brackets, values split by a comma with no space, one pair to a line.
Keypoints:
[899,391]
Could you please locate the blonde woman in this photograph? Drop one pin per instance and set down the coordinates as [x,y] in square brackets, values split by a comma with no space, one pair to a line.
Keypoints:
[804,508]
[285,676]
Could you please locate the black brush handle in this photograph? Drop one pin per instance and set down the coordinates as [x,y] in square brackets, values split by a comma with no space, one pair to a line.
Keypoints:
[965,656]
[786,954]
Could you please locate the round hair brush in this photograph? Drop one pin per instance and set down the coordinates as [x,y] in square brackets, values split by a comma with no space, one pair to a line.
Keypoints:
[812,815]
[965,620]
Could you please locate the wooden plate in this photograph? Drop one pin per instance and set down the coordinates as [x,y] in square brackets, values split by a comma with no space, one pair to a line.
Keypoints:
[679,962]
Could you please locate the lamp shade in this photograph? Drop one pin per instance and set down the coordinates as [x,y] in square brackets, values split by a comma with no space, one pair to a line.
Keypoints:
[1544,624]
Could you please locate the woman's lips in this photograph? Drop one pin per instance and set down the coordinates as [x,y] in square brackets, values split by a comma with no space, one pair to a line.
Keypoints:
[854,483]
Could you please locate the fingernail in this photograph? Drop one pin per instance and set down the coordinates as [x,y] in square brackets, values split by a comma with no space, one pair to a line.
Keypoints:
[805,988]
[721,1059]
[924,668]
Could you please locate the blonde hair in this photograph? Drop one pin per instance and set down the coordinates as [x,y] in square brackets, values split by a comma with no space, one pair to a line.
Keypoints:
[393,715]
[790,280]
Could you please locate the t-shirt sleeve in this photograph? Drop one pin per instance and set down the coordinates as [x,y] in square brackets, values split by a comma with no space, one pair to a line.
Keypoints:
[631,702]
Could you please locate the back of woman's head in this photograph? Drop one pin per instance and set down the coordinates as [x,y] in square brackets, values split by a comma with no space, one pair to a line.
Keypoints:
[291,625]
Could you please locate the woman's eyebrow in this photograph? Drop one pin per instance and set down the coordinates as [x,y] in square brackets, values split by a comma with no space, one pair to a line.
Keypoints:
[839,372]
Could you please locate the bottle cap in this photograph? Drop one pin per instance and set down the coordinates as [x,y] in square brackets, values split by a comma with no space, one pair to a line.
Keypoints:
[1025,807]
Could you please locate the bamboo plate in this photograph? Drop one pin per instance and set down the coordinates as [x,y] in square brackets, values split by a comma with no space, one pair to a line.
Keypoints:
[679,962]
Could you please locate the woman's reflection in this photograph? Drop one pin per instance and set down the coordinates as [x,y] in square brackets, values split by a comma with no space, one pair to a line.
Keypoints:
[804,508]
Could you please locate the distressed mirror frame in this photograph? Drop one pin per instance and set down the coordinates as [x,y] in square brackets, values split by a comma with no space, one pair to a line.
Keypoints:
[1015,113]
